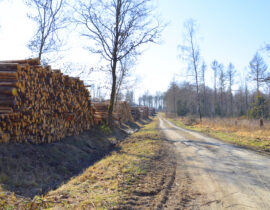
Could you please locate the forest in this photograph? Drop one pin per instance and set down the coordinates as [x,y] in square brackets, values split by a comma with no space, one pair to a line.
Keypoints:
[225,98]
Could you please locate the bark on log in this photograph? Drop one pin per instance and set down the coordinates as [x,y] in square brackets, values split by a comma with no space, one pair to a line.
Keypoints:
[8,91]
[32,61]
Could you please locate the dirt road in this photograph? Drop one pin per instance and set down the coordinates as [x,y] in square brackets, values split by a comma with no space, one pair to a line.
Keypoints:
[212,174]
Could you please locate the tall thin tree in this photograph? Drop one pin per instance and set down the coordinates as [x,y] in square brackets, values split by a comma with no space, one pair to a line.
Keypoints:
[222,80]
[230,74]
[203,71]
[214,67]
[191,53]
[258,70]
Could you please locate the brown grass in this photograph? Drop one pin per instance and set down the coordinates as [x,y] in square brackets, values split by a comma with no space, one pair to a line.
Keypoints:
[241,127]
[241,131]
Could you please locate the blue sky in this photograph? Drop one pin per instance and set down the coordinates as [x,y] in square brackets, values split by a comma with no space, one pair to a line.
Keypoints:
[229,31]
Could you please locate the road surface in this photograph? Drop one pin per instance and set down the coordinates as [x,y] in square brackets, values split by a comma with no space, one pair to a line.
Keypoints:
[212,174]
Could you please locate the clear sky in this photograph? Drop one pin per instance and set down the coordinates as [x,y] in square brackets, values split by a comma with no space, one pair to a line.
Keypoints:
[229,31]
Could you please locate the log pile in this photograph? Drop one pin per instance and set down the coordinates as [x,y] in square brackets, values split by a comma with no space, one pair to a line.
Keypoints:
[140,112]
[135,112]
[123,108]
[152,111]
[121,113]
[38,104]
[144,112]
[101,114]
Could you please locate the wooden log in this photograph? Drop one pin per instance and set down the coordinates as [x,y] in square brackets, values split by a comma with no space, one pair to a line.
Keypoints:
[8,91]
[6,97]
[9,67]
[8,75]
[31,61]
[11,83]
[7,103]
[5,110]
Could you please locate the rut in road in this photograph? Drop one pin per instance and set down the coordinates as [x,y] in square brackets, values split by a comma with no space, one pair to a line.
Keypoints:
[212,174]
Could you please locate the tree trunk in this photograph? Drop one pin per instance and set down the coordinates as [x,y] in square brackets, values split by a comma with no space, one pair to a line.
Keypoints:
[198,99]
[204,98]
[215,90]
[246,100]
[198,93]
[113,92]
[114,65]
[231,105]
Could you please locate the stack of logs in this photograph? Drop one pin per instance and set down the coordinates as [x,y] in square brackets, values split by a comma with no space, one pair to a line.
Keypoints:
[101,112]
[38,104]
[144,112]
[135,112]
[152,111]
[121,112]
[140,112]
[123,109]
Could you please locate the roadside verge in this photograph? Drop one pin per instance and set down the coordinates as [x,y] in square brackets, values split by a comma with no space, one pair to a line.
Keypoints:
[137,175]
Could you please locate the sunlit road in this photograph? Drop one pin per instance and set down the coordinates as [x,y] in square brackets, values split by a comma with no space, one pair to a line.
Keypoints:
[217,175]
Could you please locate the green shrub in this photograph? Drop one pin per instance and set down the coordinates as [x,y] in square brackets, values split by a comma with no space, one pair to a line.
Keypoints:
[105,129]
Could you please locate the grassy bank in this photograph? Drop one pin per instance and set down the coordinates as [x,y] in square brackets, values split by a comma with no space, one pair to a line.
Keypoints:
[238,131]
[103,185]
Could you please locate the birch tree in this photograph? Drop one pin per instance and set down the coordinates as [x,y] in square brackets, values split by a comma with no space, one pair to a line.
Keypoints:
[258,70]
[214,67]
[230,75]
[203,70]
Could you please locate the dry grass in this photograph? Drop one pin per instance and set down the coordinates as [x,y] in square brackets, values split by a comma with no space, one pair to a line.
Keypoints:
[236,130]
[99,187]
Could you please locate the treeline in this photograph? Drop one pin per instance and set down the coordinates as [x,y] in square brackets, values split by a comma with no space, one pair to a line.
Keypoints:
[225,98]
[152,101]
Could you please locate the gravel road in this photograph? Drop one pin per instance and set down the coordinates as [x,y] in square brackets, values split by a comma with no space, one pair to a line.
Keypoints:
[211,174]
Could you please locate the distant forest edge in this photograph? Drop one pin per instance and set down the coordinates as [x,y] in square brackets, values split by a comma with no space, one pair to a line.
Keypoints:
[250,98]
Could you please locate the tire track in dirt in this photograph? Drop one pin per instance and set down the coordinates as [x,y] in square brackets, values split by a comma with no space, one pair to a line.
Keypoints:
[153,188]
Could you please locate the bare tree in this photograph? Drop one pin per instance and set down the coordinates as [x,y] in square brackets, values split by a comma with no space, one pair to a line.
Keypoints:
[50,19]
[191,53]
[230,74]
[144,99]
[122,73]
[118,28]
[214,67]
[222,81]
[203,70]
[129,97]
[258,70]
